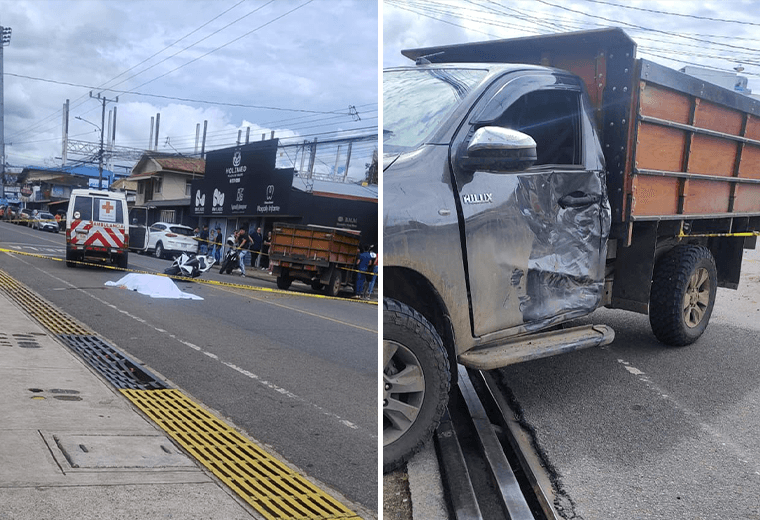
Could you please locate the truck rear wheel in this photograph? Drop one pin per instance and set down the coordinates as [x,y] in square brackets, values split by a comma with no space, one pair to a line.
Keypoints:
[333,287]
[684,286]
[416,379]
[284,281]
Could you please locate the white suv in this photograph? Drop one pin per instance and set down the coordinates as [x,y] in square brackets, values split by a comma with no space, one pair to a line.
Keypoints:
[166,239]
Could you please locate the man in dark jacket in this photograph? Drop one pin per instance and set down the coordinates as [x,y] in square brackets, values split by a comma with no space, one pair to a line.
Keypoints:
[256,240]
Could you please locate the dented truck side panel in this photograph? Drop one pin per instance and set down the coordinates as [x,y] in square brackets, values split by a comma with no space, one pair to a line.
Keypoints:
[535,239]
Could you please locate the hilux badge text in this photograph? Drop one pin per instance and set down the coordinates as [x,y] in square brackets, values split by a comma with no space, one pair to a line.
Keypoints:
[478,198]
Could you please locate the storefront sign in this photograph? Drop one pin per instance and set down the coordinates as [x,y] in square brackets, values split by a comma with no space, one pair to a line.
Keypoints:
[243,180]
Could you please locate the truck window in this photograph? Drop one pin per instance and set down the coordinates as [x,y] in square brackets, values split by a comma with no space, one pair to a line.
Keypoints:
[416,102]
[83,206]
[552,119]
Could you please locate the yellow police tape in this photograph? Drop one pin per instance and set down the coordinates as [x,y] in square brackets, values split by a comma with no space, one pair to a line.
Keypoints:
[184,278]
[261,253]
[729,235]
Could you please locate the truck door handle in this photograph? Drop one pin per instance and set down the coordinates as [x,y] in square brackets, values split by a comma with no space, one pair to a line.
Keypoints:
[578,199]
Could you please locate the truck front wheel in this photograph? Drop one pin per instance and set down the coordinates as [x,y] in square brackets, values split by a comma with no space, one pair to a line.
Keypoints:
[416,379]
[333,286]
[684,285]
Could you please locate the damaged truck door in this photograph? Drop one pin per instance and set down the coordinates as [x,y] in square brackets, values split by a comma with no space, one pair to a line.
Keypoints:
[535,221]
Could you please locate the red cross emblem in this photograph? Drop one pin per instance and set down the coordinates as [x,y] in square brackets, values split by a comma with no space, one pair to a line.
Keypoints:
[108,207]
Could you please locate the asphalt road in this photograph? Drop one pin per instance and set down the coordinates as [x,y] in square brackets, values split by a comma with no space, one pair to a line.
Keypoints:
[297,373]
[638,430]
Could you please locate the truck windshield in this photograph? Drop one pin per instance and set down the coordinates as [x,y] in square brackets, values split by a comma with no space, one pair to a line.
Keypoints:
[416,101]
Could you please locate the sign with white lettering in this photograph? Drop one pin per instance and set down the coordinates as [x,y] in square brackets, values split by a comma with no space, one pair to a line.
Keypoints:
[243,180]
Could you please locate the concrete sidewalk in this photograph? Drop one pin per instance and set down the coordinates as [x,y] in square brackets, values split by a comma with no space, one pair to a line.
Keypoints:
[73,447]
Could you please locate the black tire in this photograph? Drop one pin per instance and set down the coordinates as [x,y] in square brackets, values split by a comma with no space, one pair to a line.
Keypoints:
[684,285]
[283,282]
[317,285]
[123,261]
[411,344]
[172,271]
[333,287]
[70,259]
[159,250]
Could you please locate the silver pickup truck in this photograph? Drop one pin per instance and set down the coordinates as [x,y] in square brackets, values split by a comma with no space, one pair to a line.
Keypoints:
[529,182]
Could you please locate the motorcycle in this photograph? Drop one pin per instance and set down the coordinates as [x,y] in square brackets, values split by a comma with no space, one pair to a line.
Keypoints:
[231,258]
[190,265]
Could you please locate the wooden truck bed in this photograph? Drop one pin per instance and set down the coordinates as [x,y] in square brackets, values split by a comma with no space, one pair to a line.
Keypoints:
[313,245]
[676,147]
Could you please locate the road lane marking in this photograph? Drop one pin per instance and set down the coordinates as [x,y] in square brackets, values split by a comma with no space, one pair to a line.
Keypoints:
[268,484]
[254,377]
[711,431]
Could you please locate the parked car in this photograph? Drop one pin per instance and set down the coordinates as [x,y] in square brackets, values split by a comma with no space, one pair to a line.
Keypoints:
[24,217]
[45,222]
[10,212]
[169,240]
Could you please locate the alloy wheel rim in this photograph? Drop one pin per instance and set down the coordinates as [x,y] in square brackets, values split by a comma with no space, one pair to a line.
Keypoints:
[697,298]
[403,390]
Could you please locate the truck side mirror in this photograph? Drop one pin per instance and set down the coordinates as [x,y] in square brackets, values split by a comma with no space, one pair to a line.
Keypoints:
[497,149]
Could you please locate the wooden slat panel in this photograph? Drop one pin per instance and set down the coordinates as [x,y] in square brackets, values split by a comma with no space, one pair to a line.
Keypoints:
[747,199]
[660,148]
[655,196]
[720,119]
[664,104]
[753,128]
[750,165]
[712,156]
[706,197]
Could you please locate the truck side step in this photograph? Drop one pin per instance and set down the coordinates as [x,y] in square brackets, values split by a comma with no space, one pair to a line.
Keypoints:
[538,346]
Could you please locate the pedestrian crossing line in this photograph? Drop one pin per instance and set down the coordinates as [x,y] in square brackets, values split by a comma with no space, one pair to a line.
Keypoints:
[264,482]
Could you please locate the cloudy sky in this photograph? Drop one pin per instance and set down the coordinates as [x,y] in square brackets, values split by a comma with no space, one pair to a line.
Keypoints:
[293,66]
[717,34]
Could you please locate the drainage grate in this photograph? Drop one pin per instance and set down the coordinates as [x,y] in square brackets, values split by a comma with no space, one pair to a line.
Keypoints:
[269,486]
[117,368]
[51,318]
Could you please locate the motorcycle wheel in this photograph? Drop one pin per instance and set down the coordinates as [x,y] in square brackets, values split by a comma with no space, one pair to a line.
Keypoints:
[172,271]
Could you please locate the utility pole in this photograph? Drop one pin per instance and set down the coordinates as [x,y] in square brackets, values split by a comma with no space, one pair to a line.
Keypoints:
[102,127]
[6,40]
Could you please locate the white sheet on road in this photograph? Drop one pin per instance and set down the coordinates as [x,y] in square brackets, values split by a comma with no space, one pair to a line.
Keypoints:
[152,285]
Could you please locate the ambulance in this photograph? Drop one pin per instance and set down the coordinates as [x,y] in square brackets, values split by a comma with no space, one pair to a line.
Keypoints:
[96,228]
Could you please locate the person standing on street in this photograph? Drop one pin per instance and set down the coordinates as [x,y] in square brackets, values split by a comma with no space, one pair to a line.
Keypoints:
[203,237]
[218,242]
[243,244]
[362,265]
[265,250]
[256,240]
[371,285]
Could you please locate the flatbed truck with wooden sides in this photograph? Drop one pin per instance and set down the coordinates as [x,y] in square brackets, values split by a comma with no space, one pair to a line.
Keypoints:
[528,182]
[319,256]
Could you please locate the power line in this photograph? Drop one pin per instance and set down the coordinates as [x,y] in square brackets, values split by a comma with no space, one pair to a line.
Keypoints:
[228,43]
[655,11]
[173,98]
[678,35]
[74,105]
[193,45]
